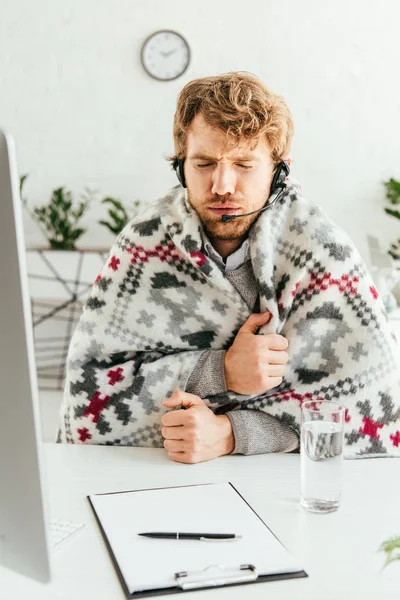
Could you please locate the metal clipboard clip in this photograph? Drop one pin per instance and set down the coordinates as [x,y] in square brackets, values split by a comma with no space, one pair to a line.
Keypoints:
[215,575]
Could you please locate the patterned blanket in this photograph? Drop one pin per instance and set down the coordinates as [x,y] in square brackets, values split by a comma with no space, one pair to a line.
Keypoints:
[159,302]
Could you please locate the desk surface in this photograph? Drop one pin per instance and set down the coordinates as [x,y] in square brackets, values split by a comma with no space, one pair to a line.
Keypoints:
[337,550]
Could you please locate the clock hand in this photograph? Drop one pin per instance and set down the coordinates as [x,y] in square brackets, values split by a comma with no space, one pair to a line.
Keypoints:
[170,52]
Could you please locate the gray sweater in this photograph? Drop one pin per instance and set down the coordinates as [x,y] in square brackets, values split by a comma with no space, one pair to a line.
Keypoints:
[255,432]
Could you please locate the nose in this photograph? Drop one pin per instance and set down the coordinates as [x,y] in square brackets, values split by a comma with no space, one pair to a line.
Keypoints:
[223,180]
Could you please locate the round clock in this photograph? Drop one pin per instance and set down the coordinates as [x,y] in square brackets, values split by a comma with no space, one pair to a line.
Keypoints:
[165,55]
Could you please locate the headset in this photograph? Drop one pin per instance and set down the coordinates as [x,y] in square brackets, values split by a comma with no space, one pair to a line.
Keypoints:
[282,170]
[178,168]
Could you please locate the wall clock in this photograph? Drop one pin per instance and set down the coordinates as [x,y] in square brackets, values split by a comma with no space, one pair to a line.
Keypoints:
[165,55]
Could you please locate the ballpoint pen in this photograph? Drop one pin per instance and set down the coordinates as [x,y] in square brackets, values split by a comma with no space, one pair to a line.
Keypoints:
[190,536]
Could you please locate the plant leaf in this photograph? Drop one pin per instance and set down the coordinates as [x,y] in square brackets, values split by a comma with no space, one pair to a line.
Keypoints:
[393,213]
[392,190]
[391,547]
[113,229]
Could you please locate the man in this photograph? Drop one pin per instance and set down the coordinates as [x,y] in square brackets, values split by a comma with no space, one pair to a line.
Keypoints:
[235,317]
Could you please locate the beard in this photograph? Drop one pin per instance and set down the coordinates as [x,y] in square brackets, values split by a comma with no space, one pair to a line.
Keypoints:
[231,230]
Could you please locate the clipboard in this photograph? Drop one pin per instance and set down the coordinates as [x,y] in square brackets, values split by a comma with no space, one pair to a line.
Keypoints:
[131,554]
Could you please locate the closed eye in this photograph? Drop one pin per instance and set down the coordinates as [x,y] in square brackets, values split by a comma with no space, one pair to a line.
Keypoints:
[204,166]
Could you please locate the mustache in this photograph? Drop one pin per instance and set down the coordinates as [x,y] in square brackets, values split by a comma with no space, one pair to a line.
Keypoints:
[225,204]
[231,200]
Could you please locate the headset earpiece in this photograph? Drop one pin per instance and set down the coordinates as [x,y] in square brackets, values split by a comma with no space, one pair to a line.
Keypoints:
[178,166]
[282,170]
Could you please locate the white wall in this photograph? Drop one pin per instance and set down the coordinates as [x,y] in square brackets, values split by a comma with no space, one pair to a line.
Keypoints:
[84,112]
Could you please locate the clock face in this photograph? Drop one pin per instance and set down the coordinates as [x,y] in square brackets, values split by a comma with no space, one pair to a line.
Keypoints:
[165,55]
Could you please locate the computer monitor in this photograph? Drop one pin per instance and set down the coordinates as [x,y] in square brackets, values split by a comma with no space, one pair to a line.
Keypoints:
[24,546]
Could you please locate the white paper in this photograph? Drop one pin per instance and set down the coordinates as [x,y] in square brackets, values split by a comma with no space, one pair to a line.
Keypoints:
[214,508]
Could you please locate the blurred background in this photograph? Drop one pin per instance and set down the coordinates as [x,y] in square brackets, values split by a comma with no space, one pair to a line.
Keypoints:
[85,114]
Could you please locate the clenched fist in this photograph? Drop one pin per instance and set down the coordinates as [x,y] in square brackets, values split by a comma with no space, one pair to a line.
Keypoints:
[195,434]
[255,363]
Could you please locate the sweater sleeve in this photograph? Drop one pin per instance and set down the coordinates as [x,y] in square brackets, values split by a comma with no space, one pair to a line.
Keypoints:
[208,376]
[255,432]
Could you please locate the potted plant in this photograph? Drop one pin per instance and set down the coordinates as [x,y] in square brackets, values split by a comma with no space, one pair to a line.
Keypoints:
[59,269]
[59,218]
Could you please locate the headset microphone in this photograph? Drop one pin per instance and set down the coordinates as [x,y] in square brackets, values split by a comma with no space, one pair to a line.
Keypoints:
[226,218]
[278,182]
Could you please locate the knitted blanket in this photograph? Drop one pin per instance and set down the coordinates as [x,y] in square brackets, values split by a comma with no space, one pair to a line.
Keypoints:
[159,302]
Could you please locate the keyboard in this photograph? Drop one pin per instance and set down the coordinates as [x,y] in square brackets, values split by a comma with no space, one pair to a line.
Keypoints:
[60,530]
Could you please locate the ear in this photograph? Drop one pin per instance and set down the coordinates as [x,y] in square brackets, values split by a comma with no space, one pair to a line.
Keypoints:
[288,160]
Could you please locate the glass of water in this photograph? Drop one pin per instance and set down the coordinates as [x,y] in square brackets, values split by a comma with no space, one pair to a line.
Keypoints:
[321,455]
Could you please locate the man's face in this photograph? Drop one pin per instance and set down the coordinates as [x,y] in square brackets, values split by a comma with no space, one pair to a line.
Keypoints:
[225,180]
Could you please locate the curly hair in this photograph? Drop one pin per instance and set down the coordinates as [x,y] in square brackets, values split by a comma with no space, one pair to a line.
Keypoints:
[238,104]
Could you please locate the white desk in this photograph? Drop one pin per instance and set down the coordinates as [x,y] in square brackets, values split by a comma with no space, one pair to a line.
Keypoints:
[337,550]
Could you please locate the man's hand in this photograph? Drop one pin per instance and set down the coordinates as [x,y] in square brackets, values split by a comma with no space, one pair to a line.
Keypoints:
[195,434]
[255,363]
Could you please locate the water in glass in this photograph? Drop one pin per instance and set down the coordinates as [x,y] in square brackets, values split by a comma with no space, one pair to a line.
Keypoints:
[321,465]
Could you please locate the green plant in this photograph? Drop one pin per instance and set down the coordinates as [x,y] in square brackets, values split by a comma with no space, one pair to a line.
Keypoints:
[58,219]
[22,180]
[392,187]
[118,215]
[392,190]
[392,549]
[393,196]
